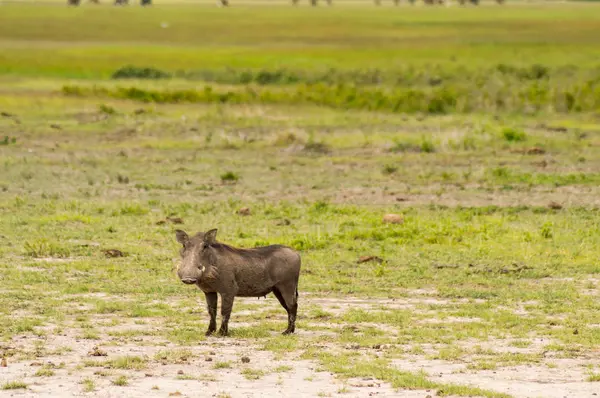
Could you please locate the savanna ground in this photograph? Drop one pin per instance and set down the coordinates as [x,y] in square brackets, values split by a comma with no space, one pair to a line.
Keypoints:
[479,126]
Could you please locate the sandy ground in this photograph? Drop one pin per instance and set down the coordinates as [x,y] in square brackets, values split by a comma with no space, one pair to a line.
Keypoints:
[284,376]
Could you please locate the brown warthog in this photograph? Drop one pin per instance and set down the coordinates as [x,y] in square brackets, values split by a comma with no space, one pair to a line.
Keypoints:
[218,268]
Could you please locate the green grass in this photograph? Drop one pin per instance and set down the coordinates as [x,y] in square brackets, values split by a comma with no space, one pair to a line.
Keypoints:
[121,381]
[89,384]
[379,369]
[174,355]
[222,365]
[44,372]
[14,385]
[205,37]
[252,374]
[594,377]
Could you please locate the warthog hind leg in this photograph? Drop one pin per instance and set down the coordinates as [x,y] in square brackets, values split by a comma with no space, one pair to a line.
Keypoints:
[288,298]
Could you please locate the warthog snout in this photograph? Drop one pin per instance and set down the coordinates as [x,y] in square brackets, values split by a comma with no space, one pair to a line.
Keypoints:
[189,281]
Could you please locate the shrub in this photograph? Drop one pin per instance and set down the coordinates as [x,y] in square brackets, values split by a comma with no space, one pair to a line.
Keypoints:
[135,72]
[229,176]
[513,135]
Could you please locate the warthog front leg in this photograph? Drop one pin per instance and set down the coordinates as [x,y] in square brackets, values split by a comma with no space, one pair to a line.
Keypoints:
[226,306]
[211,305]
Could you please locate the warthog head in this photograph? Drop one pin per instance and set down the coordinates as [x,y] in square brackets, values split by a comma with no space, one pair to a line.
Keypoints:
[196,255]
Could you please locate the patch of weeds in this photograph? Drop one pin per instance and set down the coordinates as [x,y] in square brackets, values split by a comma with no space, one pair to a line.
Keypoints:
[8,140]
[389,169]
[174,356]
[348,367]
[137,72]
[121,381]
[513,135]
[207,377]
[127,362]
[520,343]
[44,372]
[133,210]
[400,146]
[222,365]
[45,248]
[88,384]
[110,307]
[427,146]
[107,109]
[483,365]
[252,374]
[316,147]
[449,354]
[546,230]
[223,395]
[282,369]
[185,377]
[594,377]
[14,385]
[185,334]
[250,332]
[281,344]
[90,334]
[230,176]
[91,363]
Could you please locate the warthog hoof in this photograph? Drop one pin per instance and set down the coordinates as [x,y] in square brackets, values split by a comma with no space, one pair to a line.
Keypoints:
[287,331]
[209,332]
[223,332]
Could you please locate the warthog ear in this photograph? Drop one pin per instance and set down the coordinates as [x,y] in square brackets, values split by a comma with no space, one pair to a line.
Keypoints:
[182,237]
[210,238]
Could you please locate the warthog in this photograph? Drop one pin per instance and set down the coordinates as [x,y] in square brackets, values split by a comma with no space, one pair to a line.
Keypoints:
[219,268]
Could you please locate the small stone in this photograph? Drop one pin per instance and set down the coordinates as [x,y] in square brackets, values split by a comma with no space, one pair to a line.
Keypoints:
[393,219]
[180,372]
[212,353]
[245,360]
[4,363]
[208,359]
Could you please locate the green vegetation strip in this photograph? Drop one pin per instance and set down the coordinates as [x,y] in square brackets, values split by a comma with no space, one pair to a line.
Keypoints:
[442,100]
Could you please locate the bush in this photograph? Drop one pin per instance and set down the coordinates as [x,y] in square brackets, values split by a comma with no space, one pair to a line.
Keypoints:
[513,135]
[134,72]
[230,176]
